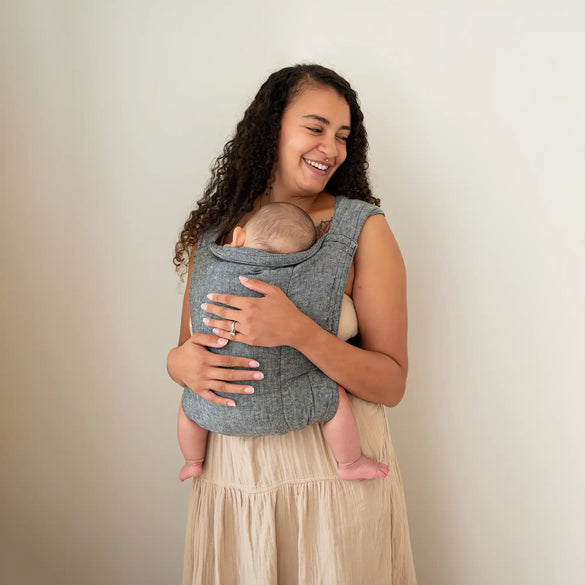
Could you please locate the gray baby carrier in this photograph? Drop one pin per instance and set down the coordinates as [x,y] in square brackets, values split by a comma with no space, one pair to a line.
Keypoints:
[294,392]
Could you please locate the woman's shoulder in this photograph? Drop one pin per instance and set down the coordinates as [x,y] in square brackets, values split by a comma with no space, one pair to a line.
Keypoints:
[377,246]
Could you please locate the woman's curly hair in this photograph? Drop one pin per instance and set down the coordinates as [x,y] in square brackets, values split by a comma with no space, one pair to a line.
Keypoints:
[244,170]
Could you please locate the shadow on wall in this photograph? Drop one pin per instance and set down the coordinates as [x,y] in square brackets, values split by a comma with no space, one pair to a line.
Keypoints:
[405,199]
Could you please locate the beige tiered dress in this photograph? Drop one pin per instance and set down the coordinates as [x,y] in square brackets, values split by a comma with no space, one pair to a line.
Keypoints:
[273,511]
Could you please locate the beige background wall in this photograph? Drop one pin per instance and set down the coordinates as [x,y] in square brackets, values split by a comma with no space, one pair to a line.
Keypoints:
[111,113]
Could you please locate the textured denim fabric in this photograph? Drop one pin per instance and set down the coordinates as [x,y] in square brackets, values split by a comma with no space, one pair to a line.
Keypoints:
[293,393]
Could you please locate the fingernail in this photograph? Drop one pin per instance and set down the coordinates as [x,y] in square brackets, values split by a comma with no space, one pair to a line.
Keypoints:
[210,296]
[215,330]
[204,306]
[249,390]
[231,403]
[253,364]
[244,279]
[206,320]
[222,341]
[258,376]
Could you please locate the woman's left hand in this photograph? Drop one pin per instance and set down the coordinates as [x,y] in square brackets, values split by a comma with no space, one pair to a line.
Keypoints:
[268,321]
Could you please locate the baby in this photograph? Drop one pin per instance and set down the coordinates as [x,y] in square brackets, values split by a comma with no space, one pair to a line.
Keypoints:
[283,228]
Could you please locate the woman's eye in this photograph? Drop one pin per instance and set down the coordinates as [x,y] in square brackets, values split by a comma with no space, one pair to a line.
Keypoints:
[315,130]
[343,138]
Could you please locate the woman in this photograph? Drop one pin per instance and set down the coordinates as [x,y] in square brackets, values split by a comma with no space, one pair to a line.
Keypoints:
[272,509]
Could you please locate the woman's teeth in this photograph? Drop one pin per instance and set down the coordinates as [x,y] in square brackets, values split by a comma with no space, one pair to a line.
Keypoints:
[317,165]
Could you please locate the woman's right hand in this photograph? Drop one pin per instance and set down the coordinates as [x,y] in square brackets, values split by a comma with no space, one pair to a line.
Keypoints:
[205,372]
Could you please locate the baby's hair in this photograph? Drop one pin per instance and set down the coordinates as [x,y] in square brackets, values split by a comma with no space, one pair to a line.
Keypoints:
[281,228]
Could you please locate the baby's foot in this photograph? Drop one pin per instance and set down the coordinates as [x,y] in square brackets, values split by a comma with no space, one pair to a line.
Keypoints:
[190,469]
[362,468]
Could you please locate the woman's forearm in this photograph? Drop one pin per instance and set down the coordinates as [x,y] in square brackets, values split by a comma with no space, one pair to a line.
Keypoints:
[370,375]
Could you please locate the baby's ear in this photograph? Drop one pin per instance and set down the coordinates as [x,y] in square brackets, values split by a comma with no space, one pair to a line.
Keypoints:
[239,237]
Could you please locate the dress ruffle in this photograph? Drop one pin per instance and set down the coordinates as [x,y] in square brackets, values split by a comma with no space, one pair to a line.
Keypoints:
[272,510]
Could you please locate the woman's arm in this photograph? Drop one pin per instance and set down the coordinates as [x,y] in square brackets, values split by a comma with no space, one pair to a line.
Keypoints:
[376,371]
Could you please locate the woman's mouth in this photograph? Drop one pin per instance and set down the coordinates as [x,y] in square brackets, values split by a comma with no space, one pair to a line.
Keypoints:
[319,167]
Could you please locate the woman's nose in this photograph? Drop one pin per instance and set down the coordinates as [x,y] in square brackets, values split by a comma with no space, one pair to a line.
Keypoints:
[329,146]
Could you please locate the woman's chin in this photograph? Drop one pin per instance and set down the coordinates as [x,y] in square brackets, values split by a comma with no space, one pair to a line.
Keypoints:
[314,185]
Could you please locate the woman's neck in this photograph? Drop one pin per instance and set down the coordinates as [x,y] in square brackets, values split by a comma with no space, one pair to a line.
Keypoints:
[305,202]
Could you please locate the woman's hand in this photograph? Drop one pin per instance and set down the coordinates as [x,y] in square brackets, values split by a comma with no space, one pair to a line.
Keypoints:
[268,321]
[205,373]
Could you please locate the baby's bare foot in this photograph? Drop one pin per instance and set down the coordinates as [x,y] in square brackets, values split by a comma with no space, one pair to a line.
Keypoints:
[191,469]
[362,468]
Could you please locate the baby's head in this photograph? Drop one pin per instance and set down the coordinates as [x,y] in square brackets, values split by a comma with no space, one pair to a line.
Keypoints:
[280,228]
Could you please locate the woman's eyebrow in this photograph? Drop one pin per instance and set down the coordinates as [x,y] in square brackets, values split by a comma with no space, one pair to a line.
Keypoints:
[324,121]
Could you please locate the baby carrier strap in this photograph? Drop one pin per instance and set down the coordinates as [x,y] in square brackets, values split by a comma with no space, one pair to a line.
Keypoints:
[207,237]
[350,216]
[341,244]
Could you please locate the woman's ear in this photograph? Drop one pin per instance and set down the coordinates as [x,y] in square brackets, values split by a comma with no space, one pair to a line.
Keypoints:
[239,237]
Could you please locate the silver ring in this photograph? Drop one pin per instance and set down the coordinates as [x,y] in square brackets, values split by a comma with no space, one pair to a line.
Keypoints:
[233,331]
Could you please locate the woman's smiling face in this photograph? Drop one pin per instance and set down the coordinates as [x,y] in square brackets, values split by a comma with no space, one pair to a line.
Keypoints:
[312,142]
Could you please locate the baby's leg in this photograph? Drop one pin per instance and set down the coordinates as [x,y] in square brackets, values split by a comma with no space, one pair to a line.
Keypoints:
[192,441]
[341,434]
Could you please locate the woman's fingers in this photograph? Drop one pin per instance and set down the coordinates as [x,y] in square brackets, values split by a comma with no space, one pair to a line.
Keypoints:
[220,360]
[223,312]
[242,302]
[257,285]
[268,321]
[231,361]
[226,388]
[236,375]
[202,388]
[207,339]
[224,325]
[210,372]
[230,388]
[209,395]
